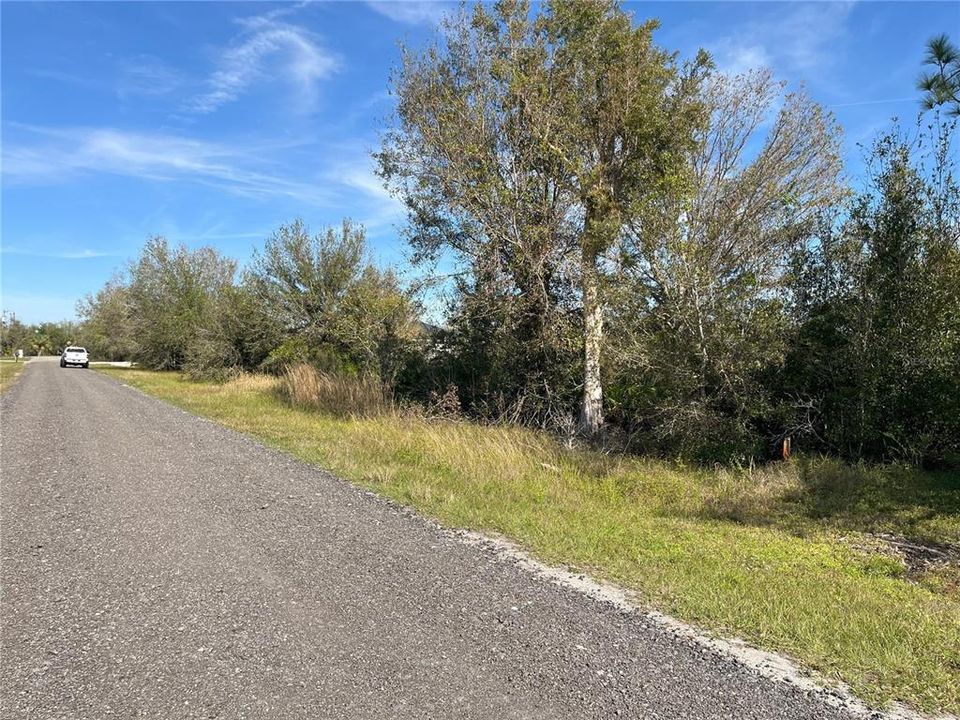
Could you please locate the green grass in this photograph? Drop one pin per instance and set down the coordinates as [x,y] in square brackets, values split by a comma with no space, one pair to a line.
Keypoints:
[784,558]
[9,370]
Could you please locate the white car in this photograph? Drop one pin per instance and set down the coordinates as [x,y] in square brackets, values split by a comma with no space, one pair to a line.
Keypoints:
[75,356]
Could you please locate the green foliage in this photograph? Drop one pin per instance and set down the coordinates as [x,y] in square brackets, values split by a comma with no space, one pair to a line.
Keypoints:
[46,338]
[523,143]
[329,305]
[877,350]
[631,236]
[304,300]
[107,321]
[14,335]
[468,159]
[175,308]
[698,312]
[941,87]
[509,357]
[245,327]
[173,295]
[289,353]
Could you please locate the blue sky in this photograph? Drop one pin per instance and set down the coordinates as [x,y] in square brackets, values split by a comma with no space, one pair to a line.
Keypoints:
[213,123]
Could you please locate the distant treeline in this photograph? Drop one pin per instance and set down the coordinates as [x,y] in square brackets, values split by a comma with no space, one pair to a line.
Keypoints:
[646,250]
[46,338]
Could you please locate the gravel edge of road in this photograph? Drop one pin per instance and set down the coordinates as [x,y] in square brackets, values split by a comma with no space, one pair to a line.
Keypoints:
[770,665]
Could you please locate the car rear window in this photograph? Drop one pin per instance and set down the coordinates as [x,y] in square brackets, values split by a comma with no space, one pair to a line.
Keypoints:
[72,349]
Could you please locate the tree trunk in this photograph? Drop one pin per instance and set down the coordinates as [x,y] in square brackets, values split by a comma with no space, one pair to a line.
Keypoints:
[591,412]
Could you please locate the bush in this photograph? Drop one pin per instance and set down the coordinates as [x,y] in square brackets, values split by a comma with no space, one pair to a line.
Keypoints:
[304,386]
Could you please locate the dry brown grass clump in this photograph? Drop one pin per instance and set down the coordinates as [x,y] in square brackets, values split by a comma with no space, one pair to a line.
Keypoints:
[252,382]
[304,386]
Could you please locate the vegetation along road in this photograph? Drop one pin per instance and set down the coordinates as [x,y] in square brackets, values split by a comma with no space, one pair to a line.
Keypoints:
[156,564]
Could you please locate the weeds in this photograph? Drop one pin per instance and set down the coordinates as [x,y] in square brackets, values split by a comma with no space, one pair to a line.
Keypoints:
[305,387]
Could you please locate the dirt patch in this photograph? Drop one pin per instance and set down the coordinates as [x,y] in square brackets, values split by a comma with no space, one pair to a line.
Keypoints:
[917,560]
[921,556]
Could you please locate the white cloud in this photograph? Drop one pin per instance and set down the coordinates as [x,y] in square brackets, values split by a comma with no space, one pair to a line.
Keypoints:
[365,180]
[303,62]
[412,12]
[814,32]
[62,154]
[355,174]
[802,38]
[735,58]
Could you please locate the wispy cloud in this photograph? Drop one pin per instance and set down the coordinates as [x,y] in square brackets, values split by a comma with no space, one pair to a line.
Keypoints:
[802,38]
[63,154]
[735,58]
[137,76]
[354,175]
[412,12]
[886,101]
[301,61]
[381,211]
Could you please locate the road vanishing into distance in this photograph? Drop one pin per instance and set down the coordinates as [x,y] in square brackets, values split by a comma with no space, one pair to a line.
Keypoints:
[157,565]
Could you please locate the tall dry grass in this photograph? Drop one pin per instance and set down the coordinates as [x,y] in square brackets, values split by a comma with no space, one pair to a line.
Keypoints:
[252,383]
[304,386]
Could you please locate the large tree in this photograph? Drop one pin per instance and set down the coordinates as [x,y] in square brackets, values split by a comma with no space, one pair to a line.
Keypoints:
[631,123]
[700,314]
[525,142]
[467,159]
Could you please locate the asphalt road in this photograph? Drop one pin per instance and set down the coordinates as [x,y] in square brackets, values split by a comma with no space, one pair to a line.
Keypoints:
[157,565]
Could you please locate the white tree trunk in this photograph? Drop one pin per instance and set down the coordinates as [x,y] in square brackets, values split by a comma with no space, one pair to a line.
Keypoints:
[591,412]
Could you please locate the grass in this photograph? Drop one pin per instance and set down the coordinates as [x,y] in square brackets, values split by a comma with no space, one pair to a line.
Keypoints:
[9,370]
[788,558]
[306,388]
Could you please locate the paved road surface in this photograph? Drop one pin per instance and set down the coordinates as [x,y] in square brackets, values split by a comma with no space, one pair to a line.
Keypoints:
[157,565]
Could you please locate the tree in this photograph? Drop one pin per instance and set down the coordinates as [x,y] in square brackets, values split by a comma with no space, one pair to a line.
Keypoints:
[328,302]
[467,160]
[107,321]
[50,338]
[13,334]
[632,123]
[701,311]
[246,326]
[878,348]
[172,295]
[942,85]
[524,143]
